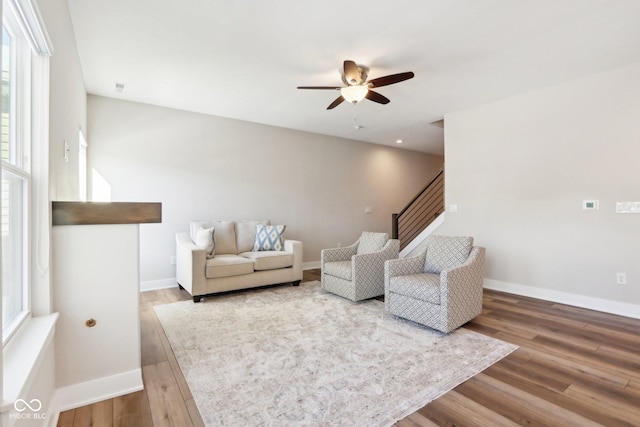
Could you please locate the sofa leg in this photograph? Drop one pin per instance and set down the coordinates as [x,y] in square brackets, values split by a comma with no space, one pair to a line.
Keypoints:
[296,283]
[197,298]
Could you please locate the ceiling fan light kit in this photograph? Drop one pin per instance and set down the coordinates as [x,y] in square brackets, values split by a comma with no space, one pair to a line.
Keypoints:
[358,87]
[355,93]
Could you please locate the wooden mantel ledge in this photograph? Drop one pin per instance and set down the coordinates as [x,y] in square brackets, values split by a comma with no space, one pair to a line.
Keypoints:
[88,213]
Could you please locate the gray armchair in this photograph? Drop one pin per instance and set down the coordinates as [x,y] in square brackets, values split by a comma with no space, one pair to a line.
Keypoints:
[441,287]
[356,272]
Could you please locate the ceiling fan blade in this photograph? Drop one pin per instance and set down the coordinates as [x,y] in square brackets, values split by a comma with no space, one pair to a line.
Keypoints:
[390,79]
[351,73]
[320,87]
[335,103]
[376,97]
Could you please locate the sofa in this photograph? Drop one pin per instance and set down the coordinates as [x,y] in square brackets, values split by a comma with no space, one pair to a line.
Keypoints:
[233,259]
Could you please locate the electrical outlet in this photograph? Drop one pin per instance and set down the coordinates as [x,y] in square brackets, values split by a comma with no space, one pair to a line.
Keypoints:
[621,278]
[172,260]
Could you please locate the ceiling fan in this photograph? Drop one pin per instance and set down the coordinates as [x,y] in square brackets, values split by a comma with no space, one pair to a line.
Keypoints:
[358,87]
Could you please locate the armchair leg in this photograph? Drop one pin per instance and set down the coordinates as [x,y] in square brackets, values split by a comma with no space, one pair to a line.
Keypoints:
[296,283]
[197,298]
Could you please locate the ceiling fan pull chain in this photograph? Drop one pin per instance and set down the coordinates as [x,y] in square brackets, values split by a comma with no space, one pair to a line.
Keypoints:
[356,126]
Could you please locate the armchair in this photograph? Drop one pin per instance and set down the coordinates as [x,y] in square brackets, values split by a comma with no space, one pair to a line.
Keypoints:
[441,287]
[356,272]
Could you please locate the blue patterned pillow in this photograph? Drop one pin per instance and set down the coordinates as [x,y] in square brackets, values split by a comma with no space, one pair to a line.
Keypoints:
[269,238]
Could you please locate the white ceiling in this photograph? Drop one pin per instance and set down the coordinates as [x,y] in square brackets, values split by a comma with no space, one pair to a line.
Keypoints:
[243,59]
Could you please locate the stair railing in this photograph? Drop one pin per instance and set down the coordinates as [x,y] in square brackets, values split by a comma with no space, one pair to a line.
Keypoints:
[419,212]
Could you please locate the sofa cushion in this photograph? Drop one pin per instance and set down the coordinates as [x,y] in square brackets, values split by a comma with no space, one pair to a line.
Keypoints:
[227,265]
[423,286]
[444,252]
[371,242]
[246,234]
[205,240]
[225,238]
[225,235]
[269,260]
[341,269]
[269,237]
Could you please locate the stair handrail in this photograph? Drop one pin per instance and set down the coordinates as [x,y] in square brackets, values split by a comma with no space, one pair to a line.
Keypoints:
[396,216]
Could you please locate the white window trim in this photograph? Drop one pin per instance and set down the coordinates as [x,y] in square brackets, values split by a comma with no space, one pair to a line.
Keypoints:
[35,333]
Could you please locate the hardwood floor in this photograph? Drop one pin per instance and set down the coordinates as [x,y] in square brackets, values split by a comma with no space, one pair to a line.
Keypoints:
[574,367]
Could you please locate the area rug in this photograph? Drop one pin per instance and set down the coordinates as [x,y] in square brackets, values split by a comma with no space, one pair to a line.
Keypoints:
[298,356]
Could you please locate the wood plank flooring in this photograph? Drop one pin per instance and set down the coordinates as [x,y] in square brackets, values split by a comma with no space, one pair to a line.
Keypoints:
[574,367]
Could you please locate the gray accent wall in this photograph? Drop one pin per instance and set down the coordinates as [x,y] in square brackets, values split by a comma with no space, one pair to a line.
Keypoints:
[518,171]
[206,167]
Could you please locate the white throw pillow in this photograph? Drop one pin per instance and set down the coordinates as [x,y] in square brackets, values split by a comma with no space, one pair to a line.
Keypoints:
[205,240]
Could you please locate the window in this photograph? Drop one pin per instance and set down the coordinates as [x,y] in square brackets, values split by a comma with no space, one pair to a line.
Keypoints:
[21,44]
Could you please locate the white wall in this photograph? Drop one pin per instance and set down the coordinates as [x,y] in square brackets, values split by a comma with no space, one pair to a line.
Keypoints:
[205,167]
[519,169]
[97,278]
[68,101]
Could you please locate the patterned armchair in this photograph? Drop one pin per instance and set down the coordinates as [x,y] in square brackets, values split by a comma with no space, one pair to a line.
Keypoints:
[356,272]
[441,287]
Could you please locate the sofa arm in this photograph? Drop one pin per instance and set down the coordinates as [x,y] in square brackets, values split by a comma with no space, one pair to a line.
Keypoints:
[405,266]
[338,254]
[190,265]
[389,251]
[295,247]
[369,267]
[463,283]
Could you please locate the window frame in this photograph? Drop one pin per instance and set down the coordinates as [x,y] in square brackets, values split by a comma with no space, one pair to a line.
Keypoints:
[29,43]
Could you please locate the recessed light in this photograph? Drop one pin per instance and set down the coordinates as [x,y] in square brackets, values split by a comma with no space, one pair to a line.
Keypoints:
[399,141]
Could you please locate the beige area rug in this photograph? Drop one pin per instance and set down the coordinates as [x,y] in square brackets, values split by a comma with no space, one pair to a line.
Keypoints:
[298,356]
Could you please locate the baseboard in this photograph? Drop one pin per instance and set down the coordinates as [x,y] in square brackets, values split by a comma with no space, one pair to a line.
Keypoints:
[89,392]
[311,265]
[53,412]
[153,285]
[605,306]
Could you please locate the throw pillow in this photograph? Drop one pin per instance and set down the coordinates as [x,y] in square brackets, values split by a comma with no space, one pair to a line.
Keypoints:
[269,238]
[205,240]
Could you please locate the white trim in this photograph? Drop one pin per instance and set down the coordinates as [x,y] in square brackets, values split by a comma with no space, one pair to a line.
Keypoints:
[153,285]
[311,265]
[31,23]
[41,298]
[86,393]
[603,305]
[53,414]
[420,238]
[23,355]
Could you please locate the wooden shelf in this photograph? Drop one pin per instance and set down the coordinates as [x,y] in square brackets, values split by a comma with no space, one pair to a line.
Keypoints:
[91,213]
